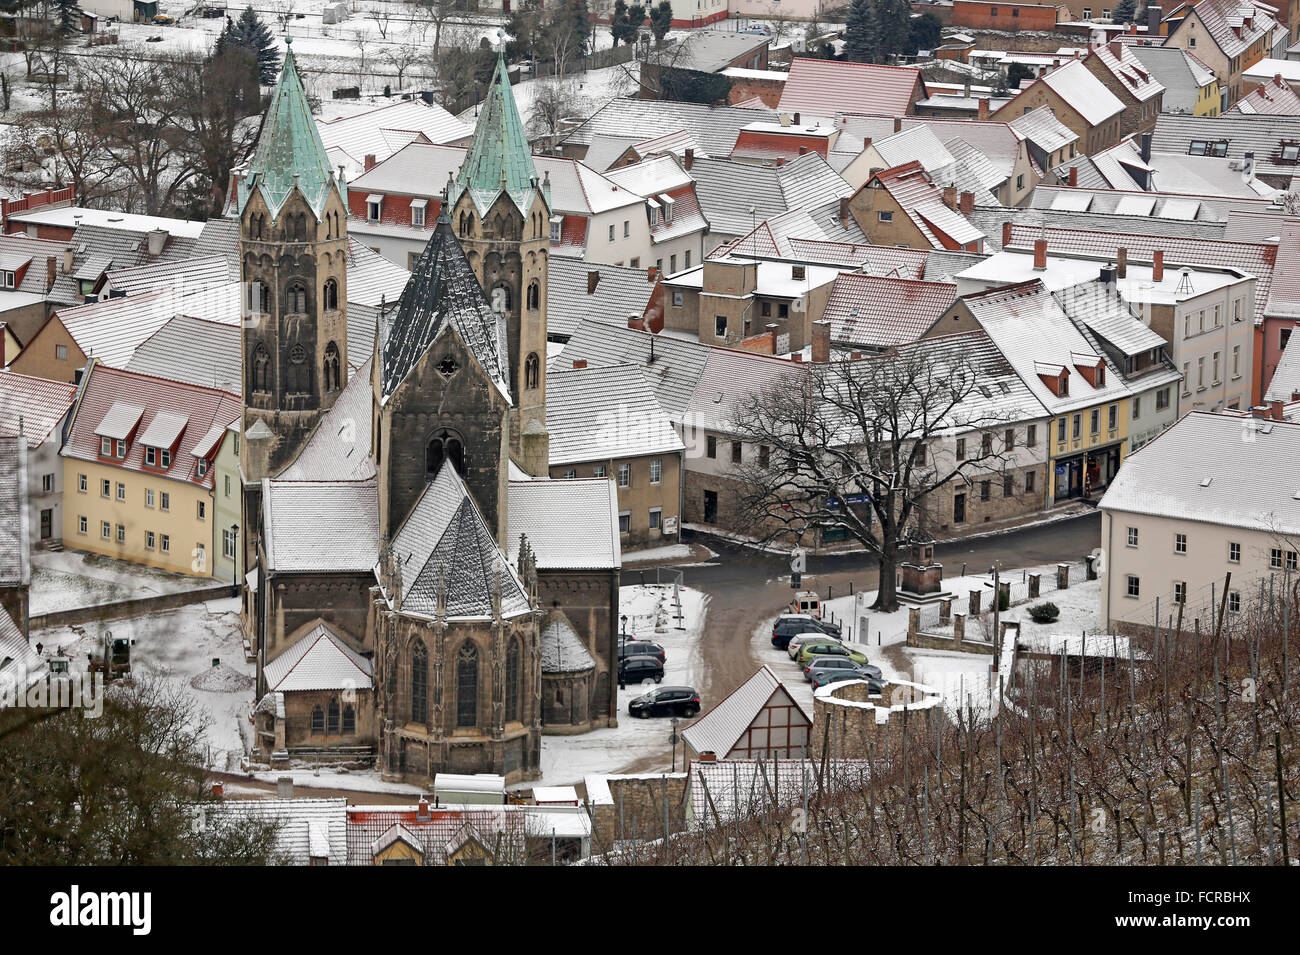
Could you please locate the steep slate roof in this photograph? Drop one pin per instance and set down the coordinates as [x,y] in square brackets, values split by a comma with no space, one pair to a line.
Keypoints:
[499,158]
[194,351]
[1251,484]
[1129,71]
[570,524]
[442,292]
[867,310]
[828,87]
[193,273]
[562,649]
[1224,18]
[620,293]
[339,448]
[289,152]
[444,542]
[39,402]
[100,248]
[318,660]
[595,414]
[673,373]
[15,566]
[1103,310]
[323,526]
[922,202]
[718,730]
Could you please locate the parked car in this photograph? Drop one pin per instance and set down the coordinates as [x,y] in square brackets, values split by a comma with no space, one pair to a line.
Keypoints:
[823,677]
[163,20]
[811,650]
[642,648]
[801,640]
[666,701]
[787,625]
[637,669]
[830,661]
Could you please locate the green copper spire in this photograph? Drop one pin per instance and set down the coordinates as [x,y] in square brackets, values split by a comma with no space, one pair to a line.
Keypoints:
[498,159]
[289,149]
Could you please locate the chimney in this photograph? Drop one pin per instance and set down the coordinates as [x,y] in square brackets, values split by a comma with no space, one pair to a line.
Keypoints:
[821,341]
[689,157]
[579,364]
[796,119]
[593,279]
[1153,20]
[967,203]
[1275,410]
[1107,276]
[803,150]
[772,328]
[1040,255]
[67,260]
[844,208]
[1074,175]
[218,788]
[1056,61]
[370,161]
[422,809]
[950,196]
[157,239]
[652,274]
[1006,234]
[1116,49]
[797,356]
[1158,266]
[1277,79]
[1132,28]
[1248,166]
[1146,147]
[983,108]
[284,787]
[898,124]
[1121,263]
[708,757]
[51,271]
[780,160]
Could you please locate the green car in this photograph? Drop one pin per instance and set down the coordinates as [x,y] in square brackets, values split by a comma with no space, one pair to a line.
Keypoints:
[810,650]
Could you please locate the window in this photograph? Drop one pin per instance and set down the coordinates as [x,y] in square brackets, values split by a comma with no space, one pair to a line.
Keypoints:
[1008,486]
[1234,552]
[227,545]
[166,501]
[331,294]
[1132,537]
[985,490]
[627,228]
[884,217]
[467,685]
[201,468]
[635,262]
[532,371]
[961,449]
[121,533]
[1236,361]
[444,446]
[687,262]
[1060,430]
[1009,439]
[349,720]
[1234,601]
[1031,435]
[1290,153]
[148,497]
[1029,481]
[677,299]
[419,683]
[655,514]
[1162,399]
[227,485]
[656,471]
[1096,421]
[81,483]
[332,717]
[625,522]
[317,721]
[1137,408]
[202,510]
[570,472]
[106,488]
[765,456]
[1275,558]
[1020,182]
[672,263]
[599,471]
[417,216]
[1077,430]
[1180,592]
[164,459]
[720,326]
[986,444]
[611,233]
[711,447]
[373,207]
[81,524]
[1200,373]
[149,539]
[736,452]
[121,491]
[1290,560]
[1134,586]
[1214,369]
[1112,418]
[61,352]
[105,530]
[166,544]
[1180,543]
[625,475]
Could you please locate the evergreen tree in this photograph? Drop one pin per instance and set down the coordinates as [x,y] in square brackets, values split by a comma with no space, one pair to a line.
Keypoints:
[1124,11]
[861,33]
[661,19]
[924,33]
[65,16]
[619,23]
[252,34]
[894,24]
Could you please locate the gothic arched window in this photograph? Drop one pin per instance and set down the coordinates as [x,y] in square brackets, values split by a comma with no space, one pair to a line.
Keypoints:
[501,299]
[332,380]
[513,680]
[467,685]
[532,367]
[261,369]
[298,372]
[534,294]
[263,297]
[349,720]
[317,721]
[332,718]
[419,683]
[331,294]
[444,446]
[296,298]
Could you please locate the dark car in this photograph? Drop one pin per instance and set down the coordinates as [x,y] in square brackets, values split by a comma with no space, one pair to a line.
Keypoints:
[666,701]
[642,648]
[790,624]
[637,669]
[822,677]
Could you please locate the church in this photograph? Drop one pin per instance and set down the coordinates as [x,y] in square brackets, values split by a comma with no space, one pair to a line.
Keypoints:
[420,592]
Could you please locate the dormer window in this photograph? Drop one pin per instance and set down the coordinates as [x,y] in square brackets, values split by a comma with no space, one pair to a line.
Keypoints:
[1091,367]
[202,468]
[374,206]
[6,279]
[557,223]
[1290,153]
[1055,377]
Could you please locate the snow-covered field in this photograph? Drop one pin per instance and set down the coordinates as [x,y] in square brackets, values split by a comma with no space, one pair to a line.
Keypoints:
[181,646]
[66,580]
[651,616]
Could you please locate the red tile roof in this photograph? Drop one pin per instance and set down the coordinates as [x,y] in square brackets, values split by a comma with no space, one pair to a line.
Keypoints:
[869,310]
[38,403]
[922,201]
[1274,97]
[205,408]
[827,87]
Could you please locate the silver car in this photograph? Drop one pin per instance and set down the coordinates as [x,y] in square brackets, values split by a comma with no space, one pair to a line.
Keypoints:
[822,664]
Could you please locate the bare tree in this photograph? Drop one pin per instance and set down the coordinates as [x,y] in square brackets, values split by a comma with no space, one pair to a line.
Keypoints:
[437,12]
[555,100]
[863,445]
[382,20]
[403,55]
[363,46]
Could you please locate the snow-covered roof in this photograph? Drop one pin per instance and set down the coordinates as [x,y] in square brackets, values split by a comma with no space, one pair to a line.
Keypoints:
[324,526]
[15,565]
[339,447]
[598,414]
[562,649]
[1041,127]
[307,828]
[570,524]
[737,788]
[1074,83]
[40,404]
[318,660]
[1215,468]
[718,730]
[1286,377]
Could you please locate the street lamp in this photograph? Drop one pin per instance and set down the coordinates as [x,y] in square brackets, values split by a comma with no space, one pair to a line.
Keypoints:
[234,551]
[673,739]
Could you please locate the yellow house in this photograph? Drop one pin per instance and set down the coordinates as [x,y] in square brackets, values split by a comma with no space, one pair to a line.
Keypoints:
[139,469]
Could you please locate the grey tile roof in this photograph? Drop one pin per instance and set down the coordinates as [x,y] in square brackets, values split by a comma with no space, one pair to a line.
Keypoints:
[1117,202]
[15,568]
[1042,128]
[95,247]
[562,648]
[1181,74]
[192,350]
[339,448]
[713,127]
[322,526]
[1103,310]
[442,292]
[673,373]
[990,222]
[306,826]
[728,190]
[620,293]
[570,524]
[1286,377]
[445,543]
[595,414]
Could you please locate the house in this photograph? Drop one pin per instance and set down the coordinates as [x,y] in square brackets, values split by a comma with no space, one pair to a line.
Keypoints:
[757,720]
[875,313]
[825,88]
[1050,141]
[1214,495]
[621,123]
[904,206]
[308,831]
[38,409]
[138,468]
[1126,76]
[701,51]
[1272,97]
[996,15]
[15,547]
[1078,99]
[1272,141]
[676,226]
[1228,36]
[1190,86]
[1132,165]
[580,290]
[358,141]
[606,422]
[972,174]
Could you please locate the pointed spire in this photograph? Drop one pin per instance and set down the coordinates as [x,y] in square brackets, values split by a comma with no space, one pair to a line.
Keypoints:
[289,152]
[499,159]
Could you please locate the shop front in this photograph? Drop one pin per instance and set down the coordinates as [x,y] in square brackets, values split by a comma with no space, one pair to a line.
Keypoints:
[1087,473]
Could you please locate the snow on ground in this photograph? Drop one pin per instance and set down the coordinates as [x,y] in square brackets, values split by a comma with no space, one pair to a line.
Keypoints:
[66,580]
[961,677]
[651,616]
[356,780]
[180,646]
[667,552]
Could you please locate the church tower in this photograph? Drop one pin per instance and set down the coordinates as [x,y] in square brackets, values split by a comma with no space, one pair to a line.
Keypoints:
[501,214]
[292,249]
